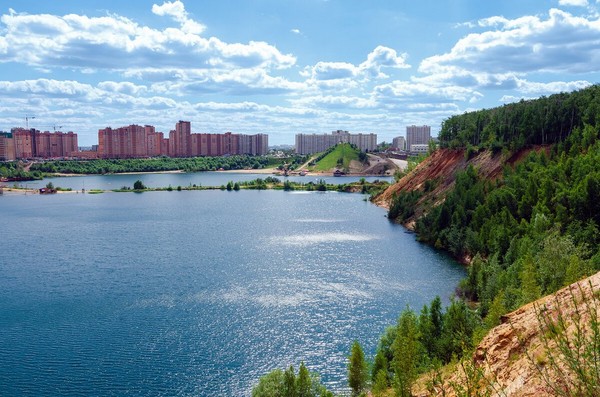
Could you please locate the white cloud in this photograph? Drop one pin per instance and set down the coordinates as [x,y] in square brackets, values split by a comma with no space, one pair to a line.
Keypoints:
[419,92]
[561,42]
[335,101]
[177,10]
[575,3]
[117,43]
[234,82]
[296,31]
[532,88]
[122,87]
[333,71]
[381,57]
[45,88]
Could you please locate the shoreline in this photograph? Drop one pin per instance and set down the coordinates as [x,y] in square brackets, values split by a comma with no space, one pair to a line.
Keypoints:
[60,174]
[261,171]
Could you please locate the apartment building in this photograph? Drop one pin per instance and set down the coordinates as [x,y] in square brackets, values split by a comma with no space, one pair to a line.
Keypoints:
[7,147]
[21,143]
[417,135]
[399,143]
[136,141]
[314,143]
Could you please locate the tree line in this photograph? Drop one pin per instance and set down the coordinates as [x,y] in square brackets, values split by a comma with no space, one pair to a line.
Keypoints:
[528,233]
[193,164]
[542,121]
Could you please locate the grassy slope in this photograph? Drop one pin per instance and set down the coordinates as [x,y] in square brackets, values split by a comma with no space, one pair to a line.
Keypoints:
[344,151]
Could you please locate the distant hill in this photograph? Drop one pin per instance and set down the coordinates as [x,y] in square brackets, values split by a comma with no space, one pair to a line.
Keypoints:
[349,159]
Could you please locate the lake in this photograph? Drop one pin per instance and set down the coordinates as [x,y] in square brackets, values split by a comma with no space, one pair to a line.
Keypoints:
[199,293]
[208,178]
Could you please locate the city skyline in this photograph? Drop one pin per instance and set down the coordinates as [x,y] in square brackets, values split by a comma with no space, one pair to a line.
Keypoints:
[300,67]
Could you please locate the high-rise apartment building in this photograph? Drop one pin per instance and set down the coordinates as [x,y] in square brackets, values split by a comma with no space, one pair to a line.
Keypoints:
[417,135]
[7,147]
[123,142]
[32,143]
[136,141]
[57,144]
[153,141]
[399,143]
[314,143]
[180,139]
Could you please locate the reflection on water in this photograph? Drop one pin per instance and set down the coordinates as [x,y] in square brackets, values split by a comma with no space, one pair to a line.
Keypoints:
[198,293]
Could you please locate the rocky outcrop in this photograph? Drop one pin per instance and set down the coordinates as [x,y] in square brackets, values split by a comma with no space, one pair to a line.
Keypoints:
[516,358]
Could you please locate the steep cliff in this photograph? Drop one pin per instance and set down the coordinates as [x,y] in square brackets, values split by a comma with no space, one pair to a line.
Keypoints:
[544,348]
[441,167]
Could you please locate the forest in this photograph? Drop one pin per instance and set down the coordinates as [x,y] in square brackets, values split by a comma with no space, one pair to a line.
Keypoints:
[541,121]
[15,169]
[525,234]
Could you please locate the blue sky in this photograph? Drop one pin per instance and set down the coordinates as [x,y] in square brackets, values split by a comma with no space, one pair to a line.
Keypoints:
[284,67]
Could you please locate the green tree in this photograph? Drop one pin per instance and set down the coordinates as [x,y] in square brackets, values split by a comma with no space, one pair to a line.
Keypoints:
[380,385]
[459,324]
[289,382]
[138,185]
[407,351]
[530,289]
[380,364]
[357,369]
[270,385]
[303,383]
[287,185]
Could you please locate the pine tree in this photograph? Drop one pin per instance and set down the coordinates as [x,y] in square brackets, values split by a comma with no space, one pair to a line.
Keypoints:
[381,383]
[303,383]
[289,383]
[407,350]
[357,369]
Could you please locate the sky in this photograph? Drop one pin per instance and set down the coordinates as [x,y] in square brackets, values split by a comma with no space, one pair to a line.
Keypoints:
[284,67]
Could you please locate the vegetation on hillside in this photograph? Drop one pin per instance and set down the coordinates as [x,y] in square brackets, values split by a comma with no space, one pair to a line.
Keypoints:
[527,234]
[338,156]
[540,121]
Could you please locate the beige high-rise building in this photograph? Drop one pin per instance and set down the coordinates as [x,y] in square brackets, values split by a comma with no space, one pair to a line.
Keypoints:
[417,135]
[314,143]
[399,143]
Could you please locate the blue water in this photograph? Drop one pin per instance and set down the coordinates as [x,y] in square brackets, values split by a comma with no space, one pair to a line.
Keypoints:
[198,293]
[208,178]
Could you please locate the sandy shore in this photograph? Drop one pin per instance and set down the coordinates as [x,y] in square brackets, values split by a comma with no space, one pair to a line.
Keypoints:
[9,191]
[252,171]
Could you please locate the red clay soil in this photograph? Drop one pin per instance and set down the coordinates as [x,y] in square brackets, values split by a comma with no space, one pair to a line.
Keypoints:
[442,167]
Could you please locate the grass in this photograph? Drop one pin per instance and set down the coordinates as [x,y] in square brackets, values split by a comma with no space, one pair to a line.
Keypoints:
[343,151]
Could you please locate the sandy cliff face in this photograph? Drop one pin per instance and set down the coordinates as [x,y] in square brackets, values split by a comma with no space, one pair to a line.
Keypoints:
[515,357]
